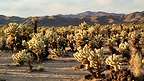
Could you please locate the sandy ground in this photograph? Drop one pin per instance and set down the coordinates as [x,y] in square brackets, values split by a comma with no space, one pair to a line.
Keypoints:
[54,70]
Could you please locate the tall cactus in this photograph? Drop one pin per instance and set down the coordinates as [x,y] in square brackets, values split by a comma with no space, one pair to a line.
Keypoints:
[136,58]
[35,23]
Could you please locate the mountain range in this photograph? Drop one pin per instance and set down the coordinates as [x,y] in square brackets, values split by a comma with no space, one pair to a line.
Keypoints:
[75,19]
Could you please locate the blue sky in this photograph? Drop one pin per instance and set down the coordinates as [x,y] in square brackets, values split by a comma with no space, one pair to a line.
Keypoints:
[27,8]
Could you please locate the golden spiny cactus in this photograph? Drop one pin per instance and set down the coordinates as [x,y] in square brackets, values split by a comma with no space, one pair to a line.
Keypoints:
[22,57]
[136,58]
[114,61]
[136,64]
[37,44]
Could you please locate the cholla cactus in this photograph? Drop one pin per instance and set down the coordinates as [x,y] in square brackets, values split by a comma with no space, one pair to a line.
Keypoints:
[35,23]
[37,44]
[91,59]
[112,39]
[123,46]
[123,34]
[91,31]
[10,41]
[143,61]
[49,33]
[55,53]
[136,57]
[2,42]
[12,27]
[22,57]
[114,61]
[81,54]
[24,44]
[61,31]
[15,34]
[98,41]
[136,64]
[71,41]
[81,38]
[24,30]
[83,25]
[87,53]
[52,37]
[21,29]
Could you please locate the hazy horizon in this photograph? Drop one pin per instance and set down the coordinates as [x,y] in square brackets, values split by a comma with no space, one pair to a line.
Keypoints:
[26,8]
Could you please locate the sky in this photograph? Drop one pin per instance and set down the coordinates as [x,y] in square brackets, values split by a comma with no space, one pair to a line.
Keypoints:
[26,8]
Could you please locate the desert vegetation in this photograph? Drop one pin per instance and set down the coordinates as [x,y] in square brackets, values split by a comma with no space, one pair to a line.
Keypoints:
[113,52]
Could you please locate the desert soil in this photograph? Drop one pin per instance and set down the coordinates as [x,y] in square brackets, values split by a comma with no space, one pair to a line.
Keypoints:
[60,69]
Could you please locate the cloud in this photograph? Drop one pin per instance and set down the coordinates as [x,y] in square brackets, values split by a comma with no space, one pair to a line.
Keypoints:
[52,7]
[41,7]
[104,2]
[24,7]
[139,2]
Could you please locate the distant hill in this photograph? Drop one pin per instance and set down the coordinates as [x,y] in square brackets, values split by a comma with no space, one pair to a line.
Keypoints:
[88,16]
[134,17]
